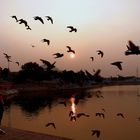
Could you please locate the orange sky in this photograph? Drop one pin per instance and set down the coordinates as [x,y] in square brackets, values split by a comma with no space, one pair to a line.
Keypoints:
[105,25]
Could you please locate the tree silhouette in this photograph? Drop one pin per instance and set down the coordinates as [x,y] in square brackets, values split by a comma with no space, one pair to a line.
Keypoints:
[5,74]
[31,71]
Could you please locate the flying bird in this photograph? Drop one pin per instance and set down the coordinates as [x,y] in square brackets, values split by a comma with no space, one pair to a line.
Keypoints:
[70,50]
[73,118]
[22,21]
[100,115]
[51,124]
[7,56]
[117,64]
[72,29]
[58,55]
[46,40]
[17,63]
[132,49]
[39,18]
[28,28]
[49,19]
[82,114]
[100,53]
[15,18]
[92,58]
[121,115]
[49,65]
[71,113]
[96,132]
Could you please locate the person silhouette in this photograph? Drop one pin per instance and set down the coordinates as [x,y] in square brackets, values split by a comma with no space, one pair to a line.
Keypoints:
[1,107]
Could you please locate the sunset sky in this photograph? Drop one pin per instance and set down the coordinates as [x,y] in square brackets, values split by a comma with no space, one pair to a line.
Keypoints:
[105,25]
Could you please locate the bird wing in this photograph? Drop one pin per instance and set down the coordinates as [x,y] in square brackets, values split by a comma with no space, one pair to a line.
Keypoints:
[68,47]
[71,27]
[92,58]
[5,54]
[49,18]
[53,63]
[39,18]
[51,123]
[132,46]
[100,53]
[56,54]
[93,132]
[118,64]
[48,42]
[17,63]
[15,18]
[97,132]
[45,62]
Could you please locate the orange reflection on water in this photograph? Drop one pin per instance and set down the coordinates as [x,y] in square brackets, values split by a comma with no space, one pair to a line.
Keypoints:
[73,109]
[73,106]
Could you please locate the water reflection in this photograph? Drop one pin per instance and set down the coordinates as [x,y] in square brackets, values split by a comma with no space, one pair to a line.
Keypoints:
[72,113]
[96,110]
[32,104]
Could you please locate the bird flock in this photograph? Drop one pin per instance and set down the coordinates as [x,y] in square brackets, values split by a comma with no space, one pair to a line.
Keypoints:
[101,115]
[45,40]
[132,49]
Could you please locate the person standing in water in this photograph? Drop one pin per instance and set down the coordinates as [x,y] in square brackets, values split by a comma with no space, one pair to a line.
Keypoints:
[1,107]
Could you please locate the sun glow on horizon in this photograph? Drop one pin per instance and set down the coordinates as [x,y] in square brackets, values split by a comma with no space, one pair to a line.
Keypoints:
[72,55]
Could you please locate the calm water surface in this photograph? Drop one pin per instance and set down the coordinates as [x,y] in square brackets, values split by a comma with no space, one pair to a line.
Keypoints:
[33,113]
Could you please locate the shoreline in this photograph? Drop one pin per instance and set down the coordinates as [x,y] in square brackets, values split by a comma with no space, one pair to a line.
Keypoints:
[55,88]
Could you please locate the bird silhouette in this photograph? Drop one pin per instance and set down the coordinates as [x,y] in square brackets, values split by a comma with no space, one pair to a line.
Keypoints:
[70,50]
[72,29]
[7,56]
[46,40]
[71,113]
[49,19]
[28,28]
[100,53]
[117,64]
[51,124]
[39,18]
[96,132]
[15,18]
[82,114]
[121,115]
[73,118]
[92,58]
[132,49]
[63,102]
[100,115]
[17,63]
[22,21]
[58,55]
[48,64]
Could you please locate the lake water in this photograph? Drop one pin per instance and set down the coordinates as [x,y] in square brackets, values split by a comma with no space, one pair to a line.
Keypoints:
[34,112]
